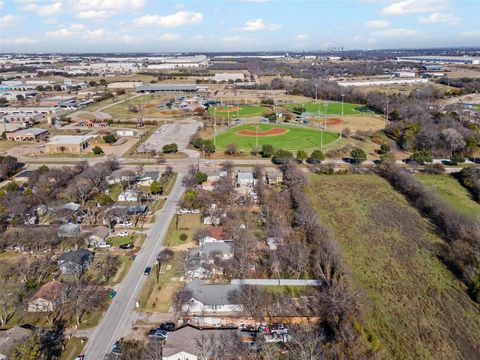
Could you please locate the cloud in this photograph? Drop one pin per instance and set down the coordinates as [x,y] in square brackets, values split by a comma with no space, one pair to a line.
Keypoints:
[179,18]
[474,33]
[50,9]
[301,37]
[258,25]
[413,7]
[377,24]
[397,32]
[9,20]
[1,4]
[78,31]
[169,37]
[101,9]
[435,18]
[19,41]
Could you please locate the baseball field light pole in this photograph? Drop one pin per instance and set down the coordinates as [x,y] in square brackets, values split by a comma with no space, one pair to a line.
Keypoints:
[343,97]
[325,116]
[214,126]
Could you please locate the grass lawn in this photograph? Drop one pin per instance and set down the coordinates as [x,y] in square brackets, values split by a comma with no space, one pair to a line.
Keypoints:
[158,296]
[120,240]
[333,108]
[73,348]
[115,190]
[125,263]
[295,138]
[243,111]
[453,192]
[413,304]
[187,224]
[477,107]
[73,155]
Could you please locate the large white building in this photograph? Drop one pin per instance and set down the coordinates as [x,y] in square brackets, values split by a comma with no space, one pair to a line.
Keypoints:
[467,60]
[397,81]
[219,77]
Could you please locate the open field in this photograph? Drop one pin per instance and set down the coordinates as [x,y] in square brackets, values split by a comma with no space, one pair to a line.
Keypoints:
[238,111]
[333,108]
[414,306]
[188,224]
[149,103]
[294,138]
[453,192]
[354,123]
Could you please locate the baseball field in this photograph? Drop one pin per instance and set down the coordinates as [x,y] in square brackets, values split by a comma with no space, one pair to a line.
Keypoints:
[291,138]
[238,111]
[333,108]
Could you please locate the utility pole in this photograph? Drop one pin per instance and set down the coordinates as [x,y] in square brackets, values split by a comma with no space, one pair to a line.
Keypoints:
[325,117]
[343,96]
[386,116]
[214,126]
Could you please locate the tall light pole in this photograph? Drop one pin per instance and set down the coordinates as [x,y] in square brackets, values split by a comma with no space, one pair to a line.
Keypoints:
[386,115]
[343,96]
[214,126]
[316,92]
[325,116]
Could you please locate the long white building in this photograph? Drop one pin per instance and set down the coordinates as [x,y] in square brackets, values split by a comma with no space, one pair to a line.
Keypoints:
[466,60]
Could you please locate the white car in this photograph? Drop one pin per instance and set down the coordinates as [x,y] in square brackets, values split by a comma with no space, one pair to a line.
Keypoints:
[104,245]
[123,234]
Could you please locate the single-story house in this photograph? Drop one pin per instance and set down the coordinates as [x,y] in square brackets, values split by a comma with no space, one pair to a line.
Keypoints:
[120,175]
[10,338]
[211,250]
[72,206]
[211,298]
[183,344]
[98,235]
[48,297]
[74,261]
[68,230]
[273,177]
[31,134]
[137,210]
[148,178]
[245,178]
[207,239]
[128,196]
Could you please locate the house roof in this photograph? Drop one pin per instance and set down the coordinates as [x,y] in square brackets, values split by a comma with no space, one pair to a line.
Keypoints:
[186,338]
[69,229]
[8,338]
[151,174]
[76,256]
[50,291]
[211,294]
[30,131]
[72,206]
[210,249]
[245,175]
[217,233]
[100,231]
[138,209]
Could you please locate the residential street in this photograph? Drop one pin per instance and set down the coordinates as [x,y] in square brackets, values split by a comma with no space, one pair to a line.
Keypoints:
[120,316]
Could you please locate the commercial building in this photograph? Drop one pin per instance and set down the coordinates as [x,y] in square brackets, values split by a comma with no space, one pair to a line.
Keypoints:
[228,76]
[69,143]
[465,60]
[31,134]
[398,81]
[124,84]
[170,88]
[28,110]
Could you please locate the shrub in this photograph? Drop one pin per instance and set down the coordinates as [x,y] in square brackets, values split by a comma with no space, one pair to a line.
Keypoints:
[201,177]
[183,237]
[302,155]
[170,148]
[156,188]
[110,138]
[421,157]
[281,156]
[267,150]
[97,150]
[358,155]
[316,157]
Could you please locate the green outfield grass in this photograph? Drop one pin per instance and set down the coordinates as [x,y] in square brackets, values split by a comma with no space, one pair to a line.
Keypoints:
[243,111]
[333,108]
[295,138]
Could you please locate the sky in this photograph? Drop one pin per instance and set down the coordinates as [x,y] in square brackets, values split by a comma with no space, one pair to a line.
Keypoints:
[235,25]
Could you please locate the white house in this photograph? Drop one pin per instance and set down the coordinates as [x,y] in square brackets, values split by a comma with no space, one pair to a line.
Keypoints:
[245,178]
[128,196]
[98,235]
[48,297]
[211,299]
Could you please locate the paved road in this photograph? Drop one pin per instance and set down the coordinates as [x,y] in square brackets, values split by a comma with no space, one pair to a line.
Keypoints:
[120,316]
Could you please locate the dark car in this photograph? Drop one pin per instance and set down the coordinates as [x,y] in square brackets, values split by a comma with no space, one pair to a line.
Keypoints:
[126,246]
[167,326]
[116,347]
[147,270]
[157,334]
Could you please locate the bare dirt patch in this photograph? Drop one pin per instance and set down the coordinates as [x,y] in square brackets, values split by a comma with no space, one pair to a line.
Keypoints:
[270,132]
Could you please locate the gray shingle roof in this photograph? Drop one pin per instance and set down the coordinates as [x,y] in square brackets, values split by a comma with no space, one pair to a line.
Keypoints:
[212,294]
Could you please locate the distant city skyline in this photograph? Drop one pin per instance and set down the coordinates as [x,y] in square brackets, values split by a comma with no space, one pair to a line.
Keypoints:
[229,25]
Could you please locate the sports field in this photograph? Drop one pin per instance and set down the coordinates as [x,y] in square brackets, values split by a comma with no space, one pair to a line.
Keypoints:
[280,136]
[333,108]
[238,111]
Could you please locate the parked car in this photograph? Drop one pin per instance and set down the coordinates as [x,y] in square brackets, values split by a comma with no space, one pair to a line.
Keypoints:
[123,233]
[104,245]
[167,326]
[116,347]
[158,334]
[147,270]
[126,246]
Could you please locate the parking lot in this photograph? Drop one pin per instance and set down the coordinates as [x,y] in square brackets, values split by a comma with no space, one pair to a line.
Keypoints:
[178,132]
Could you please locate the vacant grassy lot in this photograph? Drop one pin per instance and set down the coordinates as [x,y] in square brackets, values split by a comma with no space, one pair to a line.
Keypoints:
[240,111]
[453,192]
[413,304]
[188,224]
[333,108]
[295,138]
